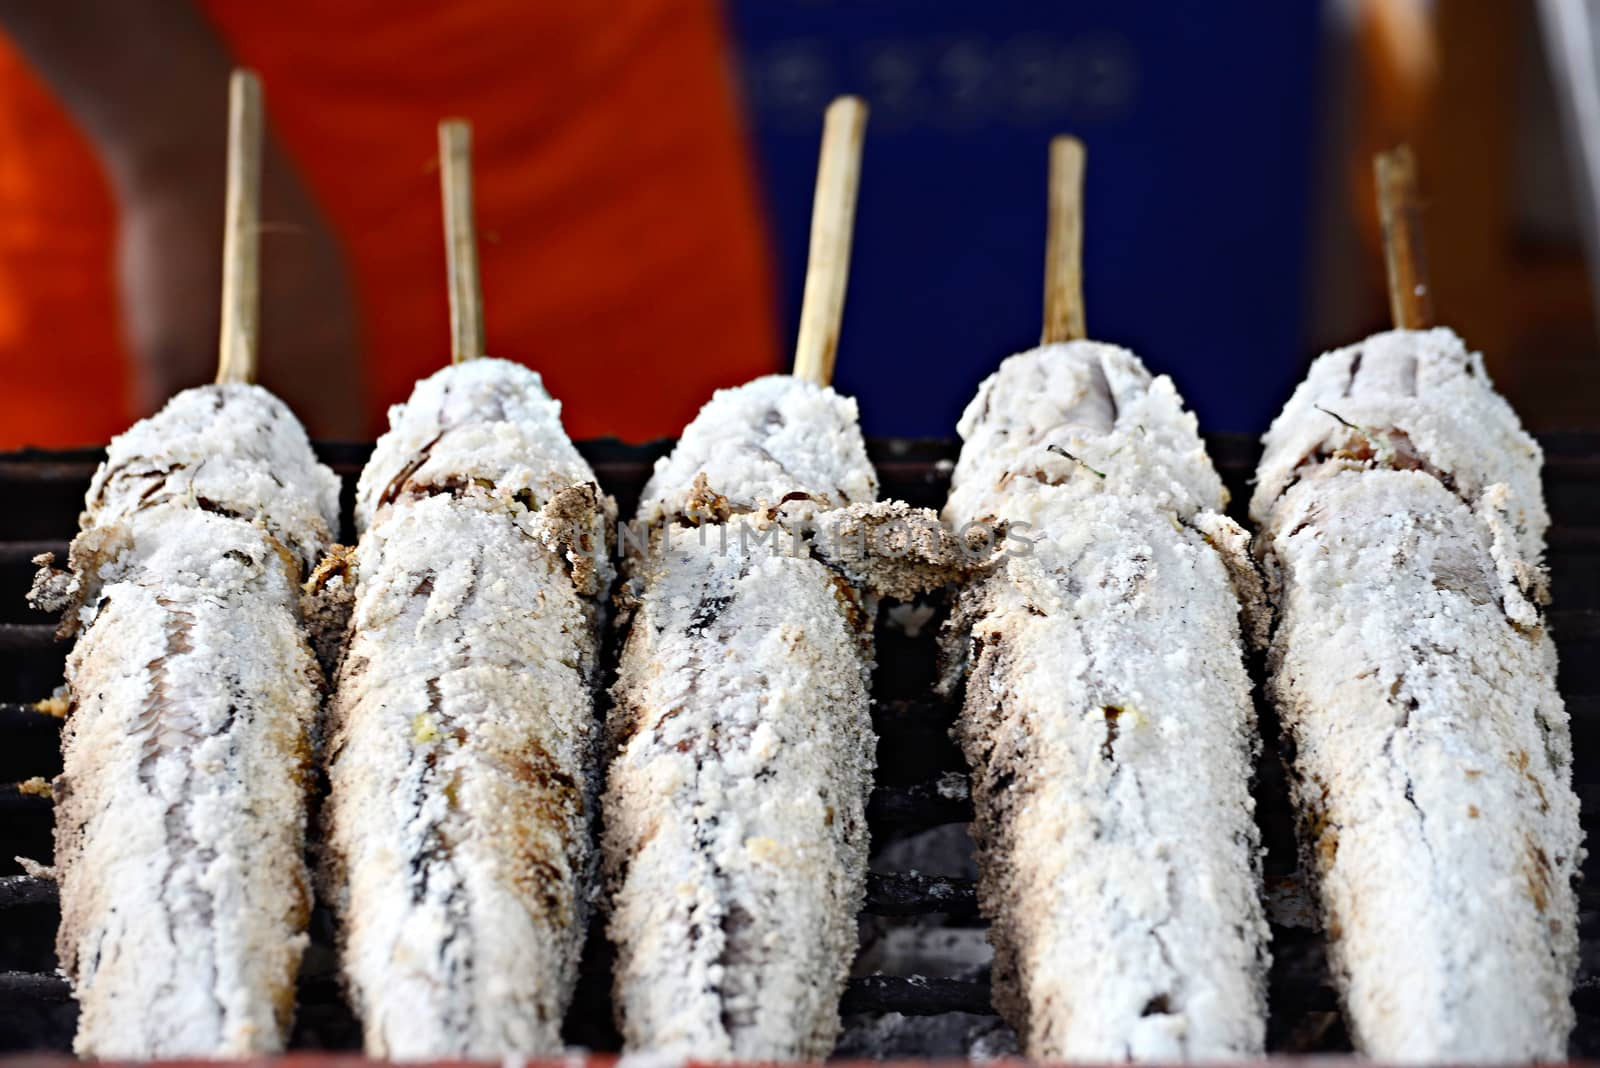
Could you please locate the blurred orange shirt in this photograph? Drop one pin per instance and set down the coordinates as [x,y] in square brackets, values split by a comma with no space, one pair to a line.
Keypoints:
[623,249]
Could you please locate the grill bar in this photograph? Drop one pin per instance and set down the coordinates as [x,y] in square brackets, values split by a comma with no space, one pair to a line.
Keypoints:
[26,715]
[22,637]
[26,890]
[916,995]
[23,552]
[947,799]
[32,986]
[914,894]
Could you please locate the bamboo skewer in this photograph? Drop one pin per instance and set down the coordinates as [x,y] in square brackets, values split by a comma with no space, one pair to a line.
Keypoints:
[833,215]
[461,242]
[241,235]
[1400,211]
[1063,249]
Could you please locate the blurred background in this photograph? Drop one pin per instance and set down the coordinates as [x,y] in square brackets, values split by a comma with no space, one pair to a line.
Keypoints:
[644,185]
[1231,229]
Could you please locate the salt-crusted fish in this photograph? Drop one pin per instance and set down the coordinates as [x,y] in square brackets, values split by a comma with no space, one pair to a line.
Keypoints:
[735,840]
[1401,530]
[462,756]
[1107,716]
[181,809]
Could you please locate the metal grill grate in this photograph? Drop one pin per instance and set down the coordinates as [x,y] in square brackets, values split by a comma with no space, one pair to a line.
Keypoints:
[921,781]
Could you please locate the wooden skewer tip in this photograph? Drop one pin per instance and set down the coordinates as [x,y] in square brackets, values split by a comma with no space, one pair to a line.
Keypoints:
[1405,259]
[1064,318]
[241,235]
[832,223]
[461,242]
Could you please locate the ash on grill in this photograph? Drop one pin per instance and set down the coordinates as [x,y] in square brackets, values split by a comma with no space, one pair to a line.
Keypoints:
[921,978]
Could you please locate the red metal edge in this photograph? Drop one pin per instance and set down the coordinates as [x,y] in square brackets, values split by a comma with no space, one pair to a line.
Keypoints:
[577,1059]
[580,1059]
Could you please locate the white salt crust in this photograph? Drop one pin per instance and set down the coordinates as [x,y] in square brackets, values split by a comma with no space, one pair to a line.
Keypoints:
[1065,410]
[759,443]
[483,419]
[180,815]
[1423,386]
[462,766]
[1416,682]
[233,449]
[735,841]
[462,774]
[1107,718]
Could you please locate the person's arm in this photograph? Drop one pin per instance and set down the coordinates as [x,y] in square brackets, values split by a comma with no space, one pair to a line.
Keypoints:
[147,81]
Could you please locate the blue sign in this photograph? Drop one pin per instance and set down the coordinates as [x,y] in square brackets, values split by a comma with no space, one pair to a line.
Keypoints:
[1198,120]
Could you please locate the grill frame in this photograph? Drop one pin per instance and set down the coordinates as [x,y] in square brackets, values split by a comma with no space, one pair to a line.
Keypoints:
[921,780]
